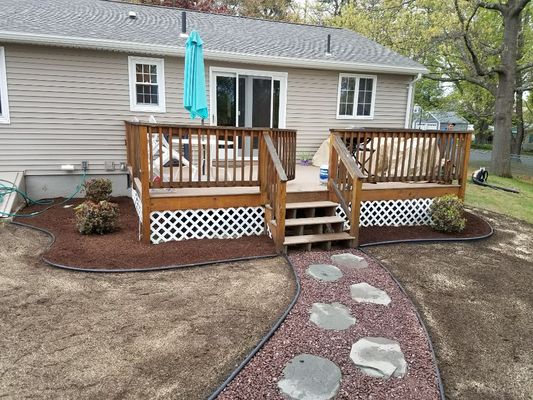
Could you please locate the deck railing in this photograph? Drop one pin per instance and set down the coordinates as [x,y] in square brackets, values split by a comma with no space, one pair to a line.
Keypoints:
[205,156]
[274,186]
[345,182]
[408,155]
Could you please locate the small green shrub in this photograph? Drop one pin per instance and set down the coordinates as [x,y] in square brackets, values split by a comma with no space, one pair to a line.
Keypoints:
[96,218]
[447,214]
[98,189]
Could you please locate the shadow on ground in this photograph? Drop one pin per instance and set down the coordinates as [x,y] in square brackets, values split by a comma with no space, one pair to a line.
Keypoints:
[476,299]
[174,334]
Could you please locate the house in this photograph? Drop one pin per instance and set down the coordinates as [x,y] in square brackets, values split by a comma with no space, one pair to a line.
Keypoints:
[69,79]
[94,88]
[440,121]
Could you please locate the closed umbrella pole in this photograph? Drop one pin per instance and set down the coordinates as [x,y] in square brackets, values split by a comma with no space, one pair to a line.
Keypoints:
[194,90]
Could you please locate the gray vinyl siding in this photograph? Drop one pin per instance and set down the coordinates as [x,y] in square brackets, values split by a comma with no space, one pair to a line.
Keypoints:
[68,105]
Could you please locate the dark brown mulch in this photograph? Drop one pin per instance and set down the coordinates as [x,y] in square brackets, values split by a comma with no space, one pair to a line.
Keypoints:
[122,250]
[475,227]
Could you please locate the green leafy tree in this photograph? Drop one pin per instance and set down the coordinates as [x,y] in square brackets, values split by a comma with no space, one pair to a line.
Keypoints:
[267,9]
[199,5]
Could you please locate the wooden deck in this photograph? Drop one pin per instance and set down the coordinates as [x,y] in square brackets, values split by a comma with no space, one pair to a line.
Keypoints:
[194,168]
[307,187]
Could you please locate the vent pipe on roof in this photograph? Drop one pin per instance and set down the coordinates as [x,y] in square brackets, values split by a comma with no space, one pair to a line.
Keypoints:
[328,46]
[184,24]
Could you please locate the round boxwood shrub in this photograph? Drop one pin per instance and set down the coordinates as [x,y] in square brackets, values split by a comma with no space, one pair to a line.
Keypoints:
[447,214]
[98,189]
[96,218]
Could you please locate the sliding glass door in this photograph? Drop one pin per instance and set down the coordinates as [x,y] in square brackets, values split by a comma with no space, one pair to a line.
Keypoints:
[248,98]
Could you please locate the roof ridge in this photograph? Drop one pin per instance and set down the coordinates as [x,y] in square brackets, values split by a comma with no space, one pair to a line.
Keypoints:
[126,2]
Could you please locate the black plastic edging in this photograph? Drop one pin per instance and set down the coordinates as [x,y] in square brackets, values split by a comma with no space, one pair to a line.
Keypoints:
[421,321]
[434,240]
[124,270]
[265,338]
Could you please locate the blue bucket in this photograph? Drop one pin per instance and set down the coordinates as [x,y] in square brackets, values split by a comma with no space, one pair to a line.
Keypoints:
[323,174]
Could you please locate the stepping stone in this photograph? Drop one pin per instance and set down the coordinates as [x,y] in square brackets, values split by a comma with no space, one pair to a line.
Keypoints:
[349,260]
[365,293]
[324,272]
[379,357]
[308,377]
[333,316]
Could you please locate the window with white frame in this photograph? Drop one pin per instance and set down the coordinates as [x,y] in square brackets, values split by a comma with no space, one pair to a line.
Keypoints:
[4,103]
[147,84]
[356,97]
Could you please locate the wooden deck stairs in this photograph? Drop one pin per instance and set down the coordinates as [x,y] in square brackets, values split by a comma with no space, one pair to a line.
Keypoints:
[313,223]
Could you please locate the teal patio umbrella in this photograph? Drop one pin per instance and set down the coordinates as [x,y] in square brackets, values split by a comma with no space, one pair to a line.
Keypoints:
[194,91]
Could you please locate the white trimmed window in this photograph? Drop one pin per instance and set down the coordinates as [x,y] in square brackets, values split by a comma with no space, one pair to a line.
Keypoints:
[356,97]
[4,103]
[147,84]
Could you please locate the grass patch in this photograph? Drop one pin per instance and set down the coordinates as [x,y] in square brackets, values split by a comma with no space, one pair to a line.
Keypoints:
[488,146]
[515,205]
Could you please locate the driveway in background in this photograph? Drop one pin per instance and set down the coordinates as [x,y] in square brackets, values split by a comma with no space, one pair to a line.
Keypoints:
[481,158]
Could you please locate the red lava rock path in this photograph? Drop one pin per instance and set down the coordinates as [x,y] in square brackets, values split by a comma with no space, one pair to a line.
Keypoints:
[297,335]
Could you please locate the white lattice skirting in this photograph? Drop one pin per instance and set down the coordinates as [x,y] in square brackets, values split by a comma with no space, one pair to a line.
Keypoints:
[137,202]
[392,213]
[211,223]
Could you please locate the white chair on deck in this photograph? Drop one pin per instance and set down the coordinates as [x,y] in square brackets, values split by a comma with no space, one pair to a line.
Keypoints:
[165,157]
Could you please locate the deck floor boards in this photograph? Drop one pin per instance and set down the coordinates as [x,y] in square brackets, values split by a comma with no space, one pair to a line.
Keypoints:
[306,181]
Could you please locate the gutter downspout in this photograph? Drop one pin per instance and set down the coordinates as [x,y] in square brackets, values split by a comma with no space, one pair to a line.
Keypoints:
[410,98]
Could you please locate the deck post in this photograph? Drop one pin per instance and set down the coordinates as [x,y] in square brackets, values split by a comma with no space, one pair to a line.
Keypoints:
[357,191]
[280,216]
[332,167]
[464,170]
[263,168]
[145,183]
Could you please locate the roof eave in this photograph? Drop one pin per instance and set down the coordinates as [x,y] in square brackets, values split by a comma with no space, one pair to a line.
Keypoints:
[122,46]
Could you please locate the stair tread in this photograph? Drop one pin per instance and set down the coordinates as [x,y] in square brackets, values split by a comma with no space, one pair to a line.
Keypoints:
[313,220]
[310,204]
[323,237]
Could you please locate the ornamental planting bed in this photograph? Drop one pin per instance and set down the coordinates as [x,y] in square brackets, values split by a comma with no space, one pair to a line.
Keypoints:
[122,249]
[476,227]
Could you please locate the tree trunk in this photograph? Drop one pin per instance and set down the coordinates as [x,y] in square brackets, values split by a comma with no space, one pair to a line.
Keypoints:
[501,149]
[516,147]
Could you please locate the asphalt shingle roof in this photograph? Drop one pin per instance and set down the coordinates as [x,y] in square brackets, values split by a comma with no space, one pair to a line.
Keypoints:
[449,117]
[108,20]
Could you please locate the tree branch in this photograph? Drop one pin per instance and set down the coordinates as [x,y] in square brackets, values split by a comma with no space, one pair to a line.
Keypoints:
[471,79]
[524,88]
[478,68]
[492,6]
[520,5]
[522,68]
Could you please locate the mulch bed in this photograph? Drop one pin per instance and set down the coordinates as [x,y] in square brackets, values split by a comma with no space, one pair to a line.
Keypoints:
[122,249]
[297,335]
[475,227]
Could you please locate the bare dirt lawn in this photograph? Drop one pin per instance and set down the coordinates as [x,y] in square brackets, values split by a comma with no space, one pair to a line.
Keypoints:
[174,334]
[476,299]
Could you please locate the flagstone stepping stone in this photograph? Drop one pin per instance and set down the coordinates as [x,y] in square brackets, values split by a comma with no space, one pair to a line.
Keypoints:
[333,316]
[324,272]
[365,293]
[379,357]
[308,377]
[349,260]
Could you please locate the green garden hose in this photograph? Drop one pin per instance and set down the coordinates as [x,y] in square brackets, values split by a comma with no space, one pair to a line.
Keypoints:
[7,190]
